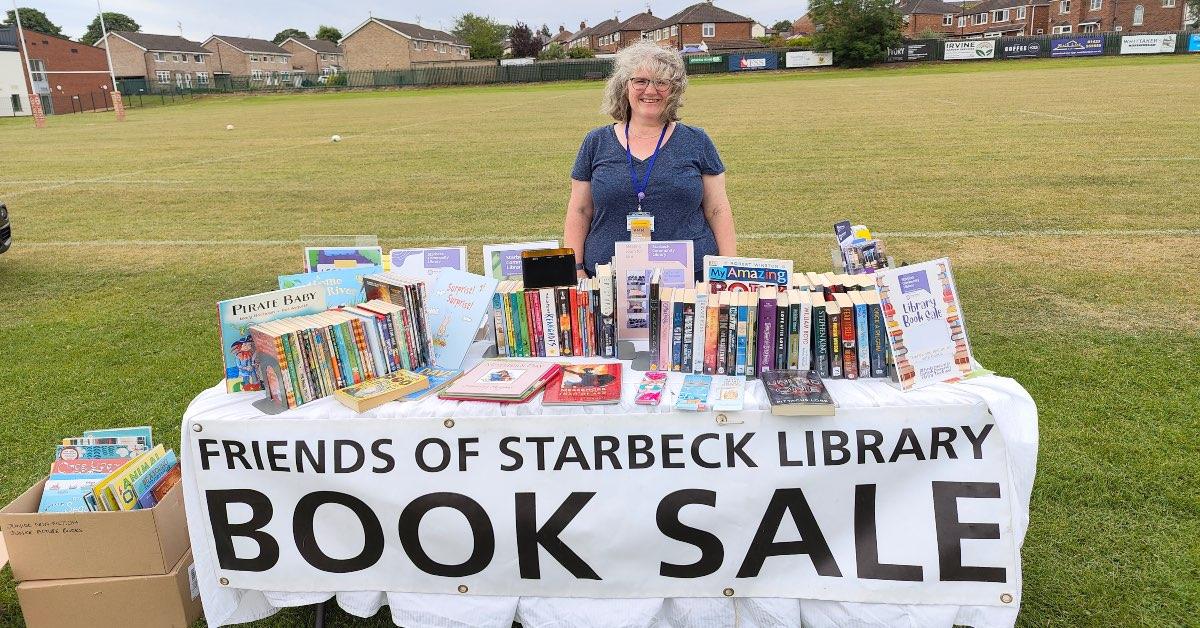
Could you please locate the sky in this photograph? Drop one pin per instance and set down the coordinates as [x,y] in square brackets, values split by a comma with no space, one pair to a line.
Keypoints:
[241,18]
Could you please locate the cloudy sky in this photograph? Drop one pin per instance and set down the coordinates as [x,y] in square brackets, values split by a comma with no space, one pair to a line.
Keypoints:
[264,19]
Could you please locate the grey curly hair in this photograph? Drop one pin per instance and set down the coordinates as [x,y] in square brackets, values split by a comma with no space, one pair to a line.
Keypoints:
[664,63]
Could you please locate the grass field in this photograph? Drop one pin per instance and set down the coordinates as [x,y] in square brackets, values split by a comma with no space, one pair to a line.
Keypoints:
[1065,191]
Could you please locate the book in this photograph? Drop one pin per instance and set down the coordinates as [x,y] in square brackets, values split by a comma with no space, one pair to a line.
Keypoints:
[585,384]
[236,316]
[693,395]
[115,491]
[633,264]
[655,323]
[456,308]
[144,482]
[499,321]
[700,329]
[161,488]
[650,389]
[144,431]
[343,286]
[820,335]
[722,333]
[877,335]
[793,321]
[677,329]
[438,380]
[688,337]
[767,319]
[740,274]
[862,341]
[66,493]
[711,330]
[849,336]
[545,299]
[427,263]
[319,258]
[742,331]
[752,366]
[729,393]
[562,308]
[833,316]
[797,393]
[86,466]
[926,330]
[375,392]
[504,381]
[782,311]
[503,261]
[608,307]
[667,296]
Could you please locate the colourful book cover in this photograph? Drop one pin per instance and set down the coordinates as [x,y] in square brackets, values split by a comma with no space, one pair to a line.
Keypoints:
[67,493]
[144,431]
[86,466]
[833,315]
[729,393]
[92,452]
[862,333]
[711,325]
[501,379]
[380,390]
[743,329]
[425,263]
[456,308]
[797,393]
[634,264]
[766,329]
[342,286]
[503,261]
[689,330]
[439,379]
[677,330]
[693,396]
[318,258]
[585,384]
[748,274]
[161,488]
[235,316]
[924,319]
[117,489]
[144,482]
[700,331]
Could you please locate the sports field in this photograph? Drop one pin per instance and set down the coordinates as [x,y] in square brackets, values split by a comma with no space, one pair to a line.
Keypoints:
[1064,191]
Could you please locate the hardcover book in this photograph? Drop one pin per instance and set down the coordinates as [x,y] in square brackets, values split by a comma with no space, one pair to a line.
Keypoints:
[161,488]
[926,330]
[318,258]
[342,286]
[426,263]
[380,390]
[501,380]
[456,308]
[633,264]
[585,384]
[797,393]
[503,261]
[236,316]
[745,274]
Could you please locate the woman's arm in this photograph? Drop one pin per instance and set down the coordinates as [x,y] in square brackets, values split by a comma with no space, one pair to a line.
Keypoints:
[579,219]
[719,214]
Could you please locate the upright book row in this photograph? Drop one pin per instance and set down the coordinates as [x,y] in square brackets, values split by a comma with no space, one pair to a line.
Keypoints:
[563,321]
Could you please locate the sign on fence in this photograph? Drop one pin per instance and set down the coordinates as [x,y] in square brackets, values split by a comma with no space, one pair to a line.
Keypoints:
[1147,44]
[753,61]
[1194,42]
[705,59]
[1020,49]
[961,50]
[910,52]
[808,59]
[1077,47]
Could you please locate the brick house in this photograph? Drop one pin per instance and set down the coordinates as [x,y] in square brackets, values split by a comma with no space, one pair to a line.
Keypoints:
[160,60]
[628,32]
[14,92]
[701,23]
[580,38]
[1127,16]
[67,75]
[261,60]
[803,26]
[1004,18]
[379,44]
[604,30]
[928,16]
[315,56]
[562,38]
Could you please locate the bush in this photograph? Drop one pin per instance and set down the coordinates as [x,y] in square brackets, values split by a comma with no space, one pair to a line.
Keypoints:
[799,42]
[581,53]
[858,32]
[552,52]
[336,80]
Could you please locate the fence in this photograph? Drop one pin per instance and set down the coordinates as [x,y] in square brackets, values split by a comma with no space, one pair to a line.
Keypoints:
[474,73]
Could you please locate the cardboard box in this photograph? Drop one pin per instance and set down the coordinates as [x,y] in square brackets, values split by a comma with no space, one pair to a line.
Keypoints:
[47,546]
[171,599]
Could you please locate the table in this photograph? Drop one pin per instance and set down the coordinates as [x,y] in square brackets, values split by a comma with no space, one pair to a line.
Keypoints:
[1011,408]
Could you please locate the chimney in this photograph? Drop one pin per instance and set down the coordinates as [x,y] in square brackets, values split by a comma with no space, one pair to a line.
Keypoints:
[561,28]
[582,25]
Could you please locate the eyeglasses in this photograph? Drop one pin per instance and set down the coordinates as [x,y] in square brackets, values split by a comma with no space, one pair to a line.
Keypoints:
[662,85]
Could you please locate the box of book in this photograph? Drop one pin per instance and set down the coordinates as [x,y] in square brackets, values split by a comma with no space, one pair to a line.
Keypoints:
[53,545]
[167,599]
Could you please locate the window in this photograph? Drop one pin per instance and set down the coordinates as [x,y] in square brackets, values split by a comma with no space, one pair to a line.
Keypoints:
[254,57]
[995,35]
[947,20]
[287,76]
[981,18]
[707,30]
[159,57]
[675,29]
[16,103]
[617,37]
[1139,12]
[1060,29]
[37,69]
[163,76]
[1168,4]
[962,21]
[256,75]
[1000,15]
[1020,13]
[1089,28]
[74,51]
[198,58]
[202,79]
[1064,6]
[177,58]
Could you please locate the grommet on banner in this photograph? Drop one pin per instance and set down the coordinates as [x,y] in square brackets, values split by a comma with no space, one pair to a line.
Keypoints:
[728,592]
[224,582]
[723,419]
[196,427]
[462,588]
[448,422]
[1007,598]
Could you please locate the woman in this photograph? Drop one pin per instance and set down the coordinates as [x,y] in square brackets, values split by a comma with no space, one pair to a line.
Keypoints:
[685,188]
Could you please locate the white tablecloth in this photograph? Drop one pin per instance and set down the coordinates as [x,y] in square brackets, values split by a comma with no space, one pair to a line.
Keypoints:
[1012,408]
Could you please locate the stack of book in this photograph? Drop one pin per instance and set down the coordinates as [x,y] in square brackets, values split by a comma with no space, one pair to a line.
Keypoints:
[565,321]
[109,470]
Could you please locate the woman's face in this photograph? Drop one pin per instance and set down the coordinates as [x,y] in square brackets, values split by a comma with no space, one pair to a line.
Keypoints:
[648,94]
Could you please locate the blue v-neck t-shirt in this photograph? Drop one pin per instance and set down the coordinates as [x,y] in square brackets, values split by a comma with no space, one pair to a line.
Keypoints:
[673,195]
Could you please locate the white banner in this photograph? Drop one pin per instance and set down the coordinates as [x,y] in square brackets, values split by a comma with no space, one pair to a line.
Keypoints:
[897,505]
[808,59]
[958,50]
[1147,44]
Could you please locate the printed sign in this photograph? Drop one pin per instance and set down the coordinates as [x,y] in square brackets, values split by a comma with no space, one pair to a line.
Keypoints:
[1147,44]
[916,52]
[976,49]
[516,506]
[1077,47]
[1194,42]
[895,55]
[39,114]
[808,59]
[1021,49]
[753,61]
[705,59]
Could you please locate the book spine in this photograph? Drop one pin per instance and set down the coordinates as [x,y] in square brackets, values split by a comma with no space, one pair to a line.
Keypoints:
[766,335]
[849,343]
[267,360]
[534,320]
[290,383]
[731,335]
[820,340]
[666,316]
[343,356]
[752,337]
[527,315]
[299,363]
[676,335]
[699,332]
[395,323]
[879,342]
[722,338]
[781,337]
[516,303]
[294,371]
[710,335]
[793,353]
[324,361]
[364,350]
[833,315]
[689,337]
[655,323]
[411,338]
[574,322]
[498,324]
[562,307]
[548,303]
[863,339]
[743,340]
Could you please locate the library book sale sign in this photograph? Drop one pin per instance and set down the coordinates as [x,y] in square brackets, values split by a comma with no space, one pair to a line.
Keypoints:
[901,505]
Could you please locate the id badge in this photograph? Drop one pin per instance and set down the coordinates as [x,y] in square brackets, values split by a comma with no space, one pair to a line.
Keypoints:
[640,225]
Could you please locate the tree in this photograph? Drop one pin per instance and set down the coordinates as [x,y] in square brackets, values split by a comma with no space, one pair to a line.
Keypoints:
[552,52]
[522,41]
[112,22]
[282,35]
[1193,9]
[581,52]
[782,25]
[329,33]
[33,20]
[484,35]
[859,32]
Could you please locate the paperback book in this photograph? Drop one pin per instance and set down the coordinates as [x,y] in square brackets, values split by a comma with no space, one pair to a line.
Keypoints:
[693,396]
[380,390]
[797,393]
[458,303]
[236,317]
[924,320]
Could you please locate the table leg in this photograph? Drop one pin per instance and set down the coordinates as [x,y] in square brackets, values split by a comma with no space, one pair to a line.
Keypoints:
[319,615]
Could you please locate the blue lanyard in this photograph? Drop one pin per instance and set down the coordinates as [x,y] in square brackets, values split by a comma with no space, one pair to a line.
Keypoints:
[640,187]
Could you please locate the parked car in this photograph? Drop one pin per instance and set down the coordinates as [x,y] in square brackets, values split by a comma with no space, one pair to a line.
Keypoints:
[5,229]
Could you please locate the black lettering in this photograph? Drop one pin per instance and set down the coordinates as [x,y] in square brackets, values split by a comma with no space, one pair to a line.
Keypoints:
[483,536]
[339,465]
[942,437]
[235,451]
[420,455]
[506,449]
[873,446]
[254,449]
[951,531]
[530,537]
[977,441]
[668,451]
[389,462]
[206,453]
[606,448]
[639,445]
[784,460]
[828,438]
[810,447]
[866,542]
[273,456]
[712,553]
[303,452]
[303,529]
[261,512]
[907,436]
[540,441]
[733,450]
[571,452]
[763,546]
[464,452]
[699,460]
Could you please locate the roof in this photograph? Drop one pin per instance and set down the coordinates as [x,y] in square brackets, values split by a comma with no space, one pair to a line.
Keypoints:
[704,12]
[993,5]
[928,7]
[607,27]
[8,38]
[248,44]
[560,38]
[722,45]
[640,22]
[161,43]
[416,31]
[317,45]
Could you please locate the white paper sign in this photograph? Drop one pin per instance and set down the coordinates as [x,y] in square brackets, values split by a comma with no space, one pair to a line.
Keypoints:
[898,505]
[807,59]
[959,50]
[1147,44]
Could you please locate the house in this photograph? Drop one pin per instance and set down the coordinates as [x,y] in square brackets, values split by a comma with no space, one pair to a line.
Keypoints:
[67,75]
[562,38]
[1003,18]
[581,38]
[803,26]
[1127,16]
[159,60]
[604,30]
[635,28]
[379,44]
[922,17]
[261,60]
[703,22]
[315,56]
[14,92]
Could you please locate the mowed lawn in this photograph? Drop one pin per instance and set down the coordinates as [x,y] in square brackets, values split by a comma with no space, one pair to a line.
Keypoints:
[1064,191]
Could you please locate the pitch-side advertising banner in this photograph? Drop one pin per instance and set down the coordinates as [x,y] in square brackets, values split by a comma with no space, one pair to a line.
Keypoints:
[1084,46]
[808,59]
[977,49]
[753,61]
[896,505]
[1147,44]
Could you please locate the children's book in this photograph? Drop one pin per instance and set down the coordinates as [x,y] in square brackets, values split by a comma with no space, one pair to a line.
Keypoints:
[585,384]
[503,261]
[144,482]
[380,390]
[745,274]
[161,488]
[439,379]
[634,264]
[456,308]
[236,316]
[650,389]
[65,493]
[86,466]
[729,394]
[144,431]
[423,263]
[505,381]
[318,258]
[342,286]
[797,393]
[924,321]
[93,452]
[115,492]
[693,396]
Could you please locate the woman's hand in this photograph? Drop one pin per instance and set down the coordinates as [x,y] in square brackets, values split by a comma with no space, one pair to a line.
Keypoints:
[581,274]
